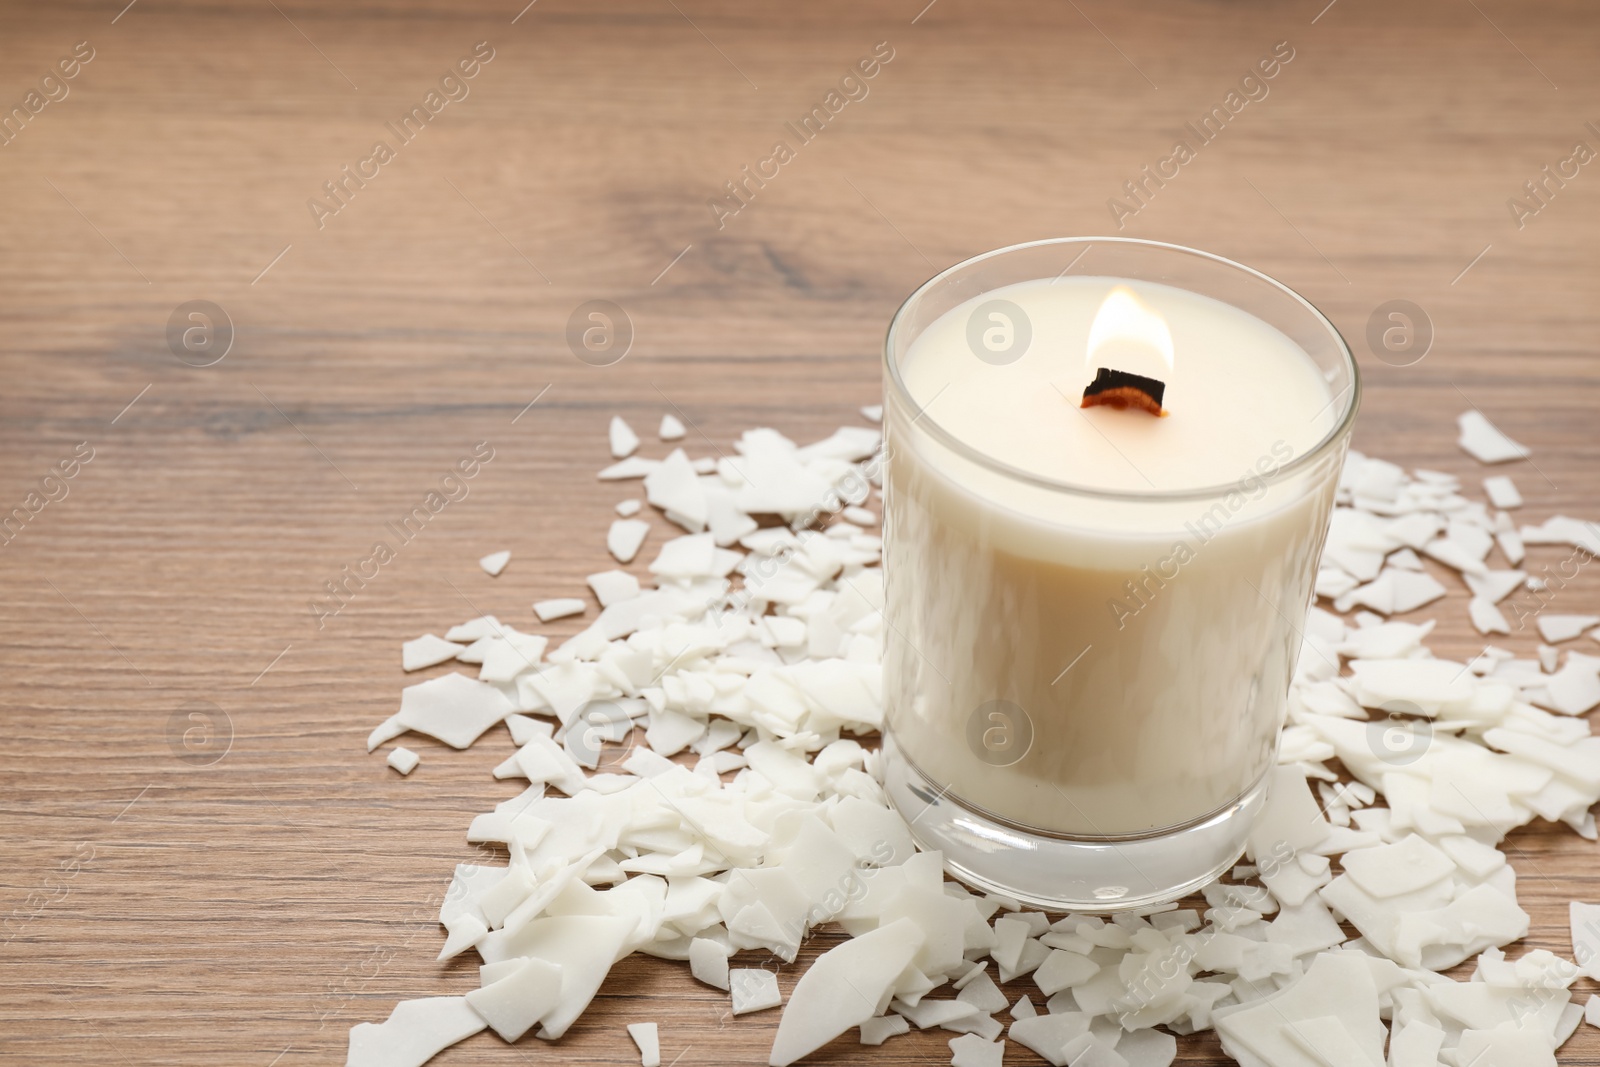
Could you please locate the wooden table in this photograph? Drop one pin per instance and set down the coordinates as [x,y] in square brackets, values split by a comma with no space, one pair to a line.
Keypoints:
[244,895]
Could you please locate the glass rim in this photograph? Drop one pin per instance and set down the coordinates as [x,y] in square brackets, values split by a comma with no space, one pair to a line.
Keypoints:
[1341,428]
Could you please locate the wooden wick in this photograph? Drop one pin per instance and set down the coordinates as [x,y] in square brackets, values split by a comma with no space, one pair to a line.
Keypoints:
[1121,390]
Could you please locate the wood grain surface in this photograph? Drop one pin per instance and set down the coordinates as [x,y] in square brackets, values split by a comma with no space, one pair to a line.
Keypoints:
[244,896]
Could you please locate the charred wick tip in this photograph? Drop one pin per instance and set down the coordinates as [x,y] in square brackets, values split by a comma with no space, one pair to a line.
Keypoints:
[1121,390]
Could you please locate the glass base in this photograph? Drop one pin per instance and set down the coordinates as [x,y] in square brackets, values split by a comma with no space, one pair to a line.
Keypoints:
[1056,873]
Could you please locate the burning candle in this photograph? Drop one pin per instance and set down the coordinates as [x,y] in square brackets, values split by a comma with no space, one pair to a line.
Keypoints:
[1107,491]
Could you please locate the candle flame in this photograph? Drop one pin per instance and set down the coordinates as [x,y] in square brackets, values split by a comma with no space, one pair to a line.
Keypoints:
[1125,327]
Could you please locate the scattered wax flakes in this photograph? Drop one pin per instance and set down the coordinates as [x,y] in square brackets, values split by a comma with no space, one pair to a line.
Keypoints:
[403,760]
[1539,969]
[515,1002]
[414,1033]
[877,1031]
[453,708]
[1149,1048]
[983,994]
[1334,583]
[495,562]
[1495,586]
[1406,559]
[1507,1045]
[1326,1040]
[558,608]
[970,1050]
[1474,540]
[847,443]
[691,556]
[1010,935]
[872,412]
[465,929]
[1386,640]
[1377,480]
[1502,492]
[671,732]
[1485,617]
[753,989]
[508,656]
[860,516]
[672,428]
[1034,952]
[1574,689]
[467,886]
[627,469]
[584,947]
[841,989]
[1430,685]
[973,969]
[429,650]
[1453,554]
[1291,821]
[1511,546]
[690,867]
[1048,1035]
[1585,921]
[1394,591]
[478,651]
[1549,656]
[1487,661]
[476,630]
[646,1036]
[1479,918]
[504,896]
[1414,530]
[727,523]
[1306,928]
[777,480]
[1415,1043]
[628,508]
[613,587]
[542,760]
[1564,530]
[623,439]
[1482,440]
[1406,866]
[985,1027]
[386,730]
[1584,826]
[1266,1028]
[708,962]
[1064,970]
[1557,628]
[625,538]
[675,488]
[1357,543]
[786,631]
[1413,589]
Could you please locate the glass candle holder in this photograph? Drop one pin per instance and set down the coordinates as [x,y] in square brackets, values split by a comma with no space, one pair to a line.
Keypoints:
[1092,634]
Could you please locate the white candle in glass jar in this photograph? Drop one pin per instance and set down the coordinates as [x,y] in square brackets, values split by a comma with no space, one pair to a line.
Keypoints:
[1135,643]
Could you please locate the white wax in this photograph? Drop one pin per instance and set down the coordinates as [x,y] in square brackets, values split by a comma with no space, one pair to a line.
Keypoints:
[1147,643]
[1236,387]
